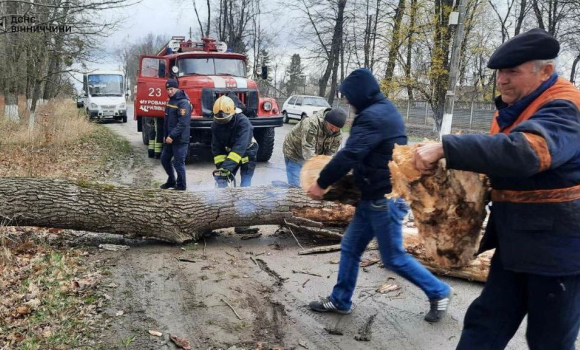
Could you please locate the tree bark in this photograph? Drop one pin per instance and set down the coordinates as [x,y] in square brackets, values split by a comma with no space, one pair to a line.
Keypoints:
[164,215]
[394,48]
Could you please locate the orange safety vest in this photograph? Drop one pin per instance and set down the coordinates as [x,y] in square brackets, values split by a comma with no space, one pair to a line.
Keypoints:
[561,90]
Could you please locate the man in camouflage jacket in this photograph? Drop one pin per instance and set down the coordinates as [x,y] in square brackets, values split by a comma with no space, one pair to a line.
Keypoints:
[319,134]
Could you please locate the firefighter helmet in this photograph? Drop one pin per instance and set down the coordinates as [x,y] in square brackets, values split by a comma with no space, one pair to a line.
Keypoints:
[223,110]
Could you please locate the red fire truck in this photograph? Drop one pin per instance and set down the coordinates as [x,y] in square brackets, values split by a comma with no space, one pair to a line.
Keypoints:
[205,71]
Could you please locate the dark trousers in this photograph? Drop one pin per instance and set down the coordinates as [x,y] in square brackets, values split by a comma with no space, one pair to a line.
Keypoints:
[177,152]
[551,303]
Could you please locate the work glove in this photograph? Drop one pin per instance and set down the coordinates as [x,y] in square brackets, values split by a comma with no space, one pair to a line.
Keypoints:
[224,178]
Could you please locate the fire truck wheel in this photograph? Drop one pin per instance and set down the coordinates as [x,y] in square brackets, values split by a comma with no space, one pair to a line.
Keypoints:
[265,138]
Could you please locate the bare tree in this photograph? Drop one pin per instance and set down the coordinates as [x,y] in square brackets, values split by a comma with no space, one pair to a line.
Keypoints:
[503,16]
[129,54]
[208,23]
[524,8]
[396,41]
[11,53]
[323,29]
[52,35]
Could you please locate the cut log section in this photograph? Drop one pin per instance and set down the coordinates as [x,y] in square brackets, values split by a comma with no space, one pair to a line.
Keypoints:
[476,269]
[343,191]
[448,207]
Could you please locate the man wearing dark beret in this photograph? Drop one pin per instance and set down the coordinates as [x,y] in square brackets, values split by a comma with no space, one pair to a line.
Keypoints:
[532,158]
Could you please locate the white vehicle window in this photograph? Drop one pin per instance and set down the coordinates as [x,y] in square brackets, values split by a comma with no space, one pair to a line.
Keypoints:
[315,101]
[153,67]
[292,100]
[299,101]
[105,85]
[211,66]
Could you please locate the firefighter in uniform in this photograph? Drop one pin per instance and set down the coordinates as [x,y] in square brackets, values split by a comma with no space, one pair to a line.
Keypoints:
[532,158]
[176,125]
[233,147]
[319,134]
[232,144]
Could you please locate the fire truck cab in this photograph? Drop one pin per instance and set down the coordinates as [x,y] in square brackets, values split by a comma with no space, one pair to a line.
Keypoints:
[205,71]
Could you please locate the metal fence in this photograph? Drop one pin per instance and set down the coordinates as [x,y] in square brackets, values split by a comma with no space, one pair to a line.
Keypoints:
[467,115]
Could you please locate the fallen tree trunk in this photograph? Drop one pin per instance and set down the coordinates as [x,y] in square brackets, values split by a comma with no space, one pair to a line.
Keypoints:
[170,216]
[178,217]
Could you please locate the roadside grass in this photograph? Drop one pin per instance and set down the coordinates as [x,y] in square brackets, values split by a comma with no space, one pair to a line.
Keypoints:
[50,296]
[62,144]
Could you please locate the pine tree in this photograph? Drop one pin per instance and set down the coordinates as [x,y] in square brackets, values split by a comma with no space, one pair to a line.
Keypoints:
[295,75]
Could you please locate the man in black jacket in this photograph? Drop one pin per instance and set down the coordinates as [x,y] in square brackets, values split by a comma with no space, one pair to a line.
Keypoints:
[377,127]
[176,138]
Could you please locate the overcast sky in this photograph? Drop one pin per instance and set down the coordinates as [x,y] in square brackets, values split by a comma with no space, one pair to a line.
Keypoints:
[171,17]
[164,17]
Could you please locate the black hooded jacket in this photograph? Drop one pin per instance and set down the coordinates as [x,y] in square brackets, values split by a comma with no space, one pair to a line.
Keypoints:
[376,129]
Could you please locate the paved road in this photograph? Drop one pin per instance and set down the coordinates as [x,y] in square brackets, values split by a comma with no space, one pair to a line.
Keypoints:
[199,171]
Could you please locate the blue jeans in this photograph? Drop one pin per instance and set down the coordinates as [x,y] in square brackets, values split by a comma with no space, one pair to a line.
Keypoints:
[293,172]
[380,218]
[552,304]
[178,152]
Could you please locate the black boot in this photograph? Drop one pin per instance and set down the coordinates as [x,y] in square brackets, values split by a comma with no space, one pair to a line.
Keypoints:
[167,185]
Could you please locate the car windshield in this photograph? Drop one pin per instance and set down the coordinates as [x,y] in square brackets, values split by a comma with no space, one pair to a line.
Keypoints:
[211,66]
[105,85]
[315,101]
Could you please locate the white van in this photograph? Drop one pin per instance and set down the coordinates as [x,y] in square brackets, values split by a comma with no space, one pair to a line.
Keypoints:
[104,95]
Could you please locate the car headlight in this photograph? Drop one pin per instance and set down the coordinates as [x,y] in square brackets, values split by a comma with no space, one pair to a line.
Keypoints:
[267,106]
[94,106]
[122,106]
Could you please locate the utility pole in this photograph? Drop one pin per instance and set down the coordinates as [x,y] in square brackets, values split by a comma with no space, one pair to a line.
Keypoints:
[456,19]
